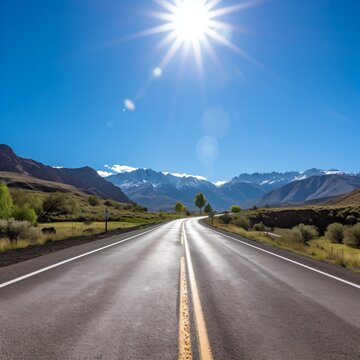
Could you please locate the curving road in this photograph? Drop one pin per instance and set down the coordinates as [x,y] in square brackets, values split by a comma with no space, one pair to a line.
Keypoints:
[179,290]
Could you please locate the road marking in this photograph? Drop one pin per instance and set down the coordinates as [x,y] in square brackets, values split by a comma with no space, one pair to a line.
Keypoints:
[202,335]
[184,319]
[182,233]
[291,261]
[71,259]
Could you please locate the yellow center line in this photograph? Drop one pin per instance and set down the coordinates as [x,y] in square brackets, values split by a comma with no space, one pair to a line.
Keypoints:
[184,319]
[202,335]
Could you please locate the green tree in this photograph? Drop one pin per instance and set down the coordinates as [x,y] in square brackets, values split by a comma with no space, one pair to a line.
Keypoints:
[23,198]
[235,209]
[6,202]
[24,212]
[200,200]
[179,207]
[208,209]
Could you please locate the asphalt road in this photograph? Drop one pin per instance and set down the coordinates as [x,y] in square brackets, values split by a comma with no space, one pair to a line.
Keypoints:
[178,289]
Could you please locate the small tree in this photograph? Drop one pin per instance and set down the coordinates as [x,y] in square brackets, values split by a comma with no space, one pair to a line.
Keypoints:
[208,209]
[179,207]
[6,202]
[235,209]
[200,200]
[54,203]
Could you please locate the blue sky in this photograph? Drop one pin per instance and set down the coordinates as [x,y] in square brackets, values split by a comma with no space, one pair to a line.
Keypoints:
[66,68]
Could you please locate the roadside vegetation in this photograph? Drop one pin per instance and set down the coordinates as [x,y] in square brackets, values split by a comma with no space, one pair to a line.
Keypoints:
[337,243]
[35,218]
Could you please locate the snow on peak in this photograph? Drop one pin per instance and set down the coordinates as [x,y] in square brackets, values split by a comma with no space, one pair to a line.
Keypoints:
[184,175]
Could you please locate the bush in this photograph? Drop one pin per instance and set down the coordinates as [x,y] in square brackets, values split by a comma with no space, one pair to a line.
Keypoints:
[15,230]
[225,219]
[241,221]
[25,213]
[93,200]
[352,236]
[260,227]
[351,219]
[108,203]
[335,233]
[6,202]
[304,233]
[235,209]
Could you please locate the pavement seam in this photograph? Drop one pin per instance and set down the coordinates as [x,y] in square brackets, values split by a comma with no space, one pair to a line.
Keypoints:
[202,334]
[185,352]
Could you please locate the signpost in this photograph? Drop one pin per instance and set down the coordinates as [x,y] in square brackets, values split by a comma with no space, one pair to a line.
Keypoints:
[211,216]
[107,218]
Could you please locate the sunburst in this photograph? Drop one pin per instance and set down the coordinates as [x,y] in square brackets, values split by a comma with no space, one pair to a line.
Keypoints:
[194,26]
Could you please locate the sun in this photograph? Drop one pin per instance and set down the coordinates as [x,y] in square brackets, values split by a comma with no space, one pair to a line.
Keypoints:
[195,26]
[191,20]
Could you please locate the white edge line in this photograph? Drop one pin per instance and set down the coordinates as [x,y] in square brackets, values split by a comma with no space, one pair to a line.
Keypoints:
[289,260]
[72,259]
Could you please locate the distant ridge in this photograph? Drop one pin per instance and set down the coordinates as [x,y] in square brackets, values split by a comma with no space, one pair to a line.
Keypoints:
[85,179]
[313,190]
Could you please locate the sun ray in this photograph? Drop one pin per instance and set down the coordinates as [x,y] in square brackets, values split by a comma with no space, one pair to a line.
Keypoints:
[171,52]
[166,5]
[195,27]
[233,8]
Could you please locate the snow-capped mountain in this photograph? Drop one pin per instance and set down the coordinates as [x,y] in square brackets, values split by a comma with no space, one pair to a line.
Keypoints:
[161,190]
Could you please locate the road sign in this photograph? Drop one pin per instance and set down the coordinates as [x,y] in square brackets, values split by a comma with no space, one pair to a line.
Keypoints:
[107,214]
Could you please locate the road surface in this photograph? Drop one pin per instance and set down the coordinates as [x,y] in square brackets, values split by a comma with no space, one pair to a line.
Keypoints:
[178,291]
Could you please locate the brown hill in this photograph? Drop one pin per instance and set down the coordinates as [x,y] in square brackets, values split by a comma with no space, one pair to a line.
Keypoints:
[350,199]
[85,179]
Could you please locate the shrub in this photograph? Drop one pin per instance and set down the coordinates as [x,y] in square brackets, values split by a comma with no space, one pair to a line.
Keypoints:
[260,227]
[25,213]
[225,219]
[15,230]
[93,200]
[304,233]
[235,209]
[241,221]
[108,203]
[352,236]
[335,233]
[351,219]
[3,227]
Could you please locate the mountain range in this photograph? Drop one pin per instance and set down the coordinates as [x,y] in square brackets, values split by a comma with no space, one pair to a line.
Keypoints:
[160,191]
[85,179]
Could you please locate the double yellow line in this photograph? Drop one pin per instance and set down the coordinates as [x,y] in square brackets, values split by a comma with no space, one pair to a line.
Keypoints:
[185,351]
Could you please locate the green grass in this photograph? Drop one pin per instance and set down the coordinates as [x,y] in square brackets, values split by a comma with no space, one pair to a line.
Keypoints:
[320,249]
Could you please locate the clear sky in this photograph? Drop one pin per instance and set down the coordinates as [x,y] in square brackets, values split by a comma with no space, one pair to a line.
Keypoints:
[66,68]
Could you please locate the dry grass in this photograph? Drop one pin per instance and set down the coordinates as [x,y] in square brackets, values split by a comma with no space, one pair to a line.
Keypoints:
[66,230]
[320,249]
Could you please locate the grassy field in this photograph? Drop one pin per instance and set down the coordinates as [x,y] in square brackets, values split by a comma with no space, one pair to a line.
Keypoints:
[80,214]
[320,249]
[66,230]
